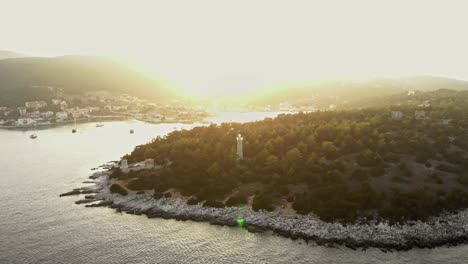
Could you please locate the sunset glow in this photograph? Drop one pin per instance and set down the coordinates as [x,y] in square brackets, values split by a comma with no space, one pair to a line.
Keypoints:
[220,48]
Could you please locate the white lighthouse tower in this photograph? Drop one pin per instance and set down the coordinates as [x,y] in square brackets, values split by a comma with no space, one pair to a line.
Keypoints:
[240,154]
[124,166]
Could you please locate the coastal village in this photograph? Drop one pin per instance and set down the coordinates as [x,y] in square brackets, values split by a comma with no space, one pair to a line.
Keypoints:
[92,107]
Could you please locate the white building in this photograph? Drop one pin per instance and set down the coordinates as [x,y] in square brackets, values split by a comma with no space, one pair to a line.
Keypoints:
[419,114]
[22,110]
[63,105]
[285,106]
[119,107]
[47,114]
[147,164]
[25,121]
[61,115]
[56,101]
[35,114]
[445,122]
[397,115]
[36,104]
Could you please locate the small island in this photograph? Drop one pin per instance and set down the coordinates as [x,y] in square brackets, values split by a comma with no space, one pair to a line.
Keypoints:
[391,177]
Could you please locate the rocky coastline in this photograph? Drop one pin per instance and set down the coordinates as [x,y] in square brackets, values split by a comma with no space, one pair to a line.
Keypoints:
[446,230]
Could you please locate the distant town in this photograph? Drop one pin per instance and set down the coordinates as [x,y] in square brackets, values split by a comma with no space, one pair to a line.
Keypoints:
[92,107]
[95,106]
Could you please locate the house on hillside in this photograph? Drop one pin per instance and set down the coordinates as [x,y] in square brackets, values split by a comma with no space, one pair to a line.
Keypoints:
[22,110]
[36,104]
[420,114]
[396,115]
[445,122]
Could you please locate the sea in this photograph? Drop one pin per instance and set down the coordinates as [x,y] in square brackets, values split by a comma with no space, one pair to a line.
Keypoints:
[38,226]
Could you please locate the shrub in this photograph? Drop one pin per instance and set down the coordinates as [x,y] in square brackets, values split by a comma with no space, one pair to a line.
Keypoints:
[136,184]
[168,195]
[360,175]
[192,201]
[262,201]
[435,178]
[463,179]
[377,171]
[158,195]
[213,203]
[236,200]
[398,179]
[116,188]
[447,168]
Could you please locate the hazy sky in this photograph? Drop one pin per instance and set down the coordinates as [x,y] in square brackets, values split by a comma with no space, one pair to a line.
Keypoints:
[210,47]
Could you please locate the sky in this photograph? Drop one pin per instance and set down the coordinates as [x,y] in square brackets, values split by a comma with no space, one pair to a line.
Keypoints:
[225,48]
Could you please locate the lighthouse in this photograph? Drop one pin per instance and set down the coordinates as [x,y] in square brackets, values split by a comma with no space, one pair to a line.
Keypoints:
[240,154]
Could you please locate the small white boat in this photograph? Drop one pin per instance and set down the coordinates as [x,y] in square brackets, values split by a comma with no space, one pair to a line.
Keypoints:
[74,130]
[33,135]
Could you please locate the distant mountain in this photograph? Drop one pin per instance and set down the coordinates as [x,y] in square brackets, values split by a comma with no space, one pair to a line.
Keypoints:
[5,54]
[23,79]
[341,92]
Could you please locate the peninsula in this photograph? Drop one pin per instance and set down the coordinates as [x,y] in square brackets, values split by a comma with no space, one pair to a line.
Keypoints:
[393,176]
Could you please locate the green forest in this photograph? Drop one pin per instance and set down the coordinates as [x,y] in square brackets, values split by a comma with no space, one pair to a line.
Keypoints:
[339,165]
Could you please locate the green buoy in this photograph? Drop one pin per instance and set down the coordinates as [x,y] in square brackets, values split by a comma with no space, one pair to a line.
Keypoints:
[240,222]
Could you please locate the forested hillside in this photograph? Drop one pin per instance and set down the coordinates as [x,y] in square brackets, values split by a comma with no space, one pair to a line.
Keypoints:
[23,79]
[336,164]
[346,93]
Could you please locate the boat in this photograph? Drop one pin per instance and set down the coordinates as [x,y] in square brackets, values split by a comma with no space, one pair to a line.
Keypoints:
[74,130]
[33,135]
[99,125]
[131,131]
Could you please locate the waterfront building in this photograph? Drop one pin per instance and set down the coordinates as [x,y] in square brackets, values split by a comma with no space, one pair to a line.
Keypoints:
[25,121]
[47,114]
[61,115]
[285,106]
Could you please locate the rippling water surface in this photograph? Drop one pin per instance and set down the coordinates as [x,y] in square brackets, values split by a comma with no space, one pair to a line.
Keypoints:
[36,226]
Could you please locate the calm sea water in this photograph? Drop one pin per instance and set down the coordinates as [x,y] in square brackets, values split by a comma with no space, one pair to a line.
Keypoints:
[36,226]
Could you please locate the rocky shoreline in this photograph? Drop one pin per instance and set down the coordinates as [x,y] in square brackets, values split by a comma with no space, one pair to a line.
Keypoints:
[449,230]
